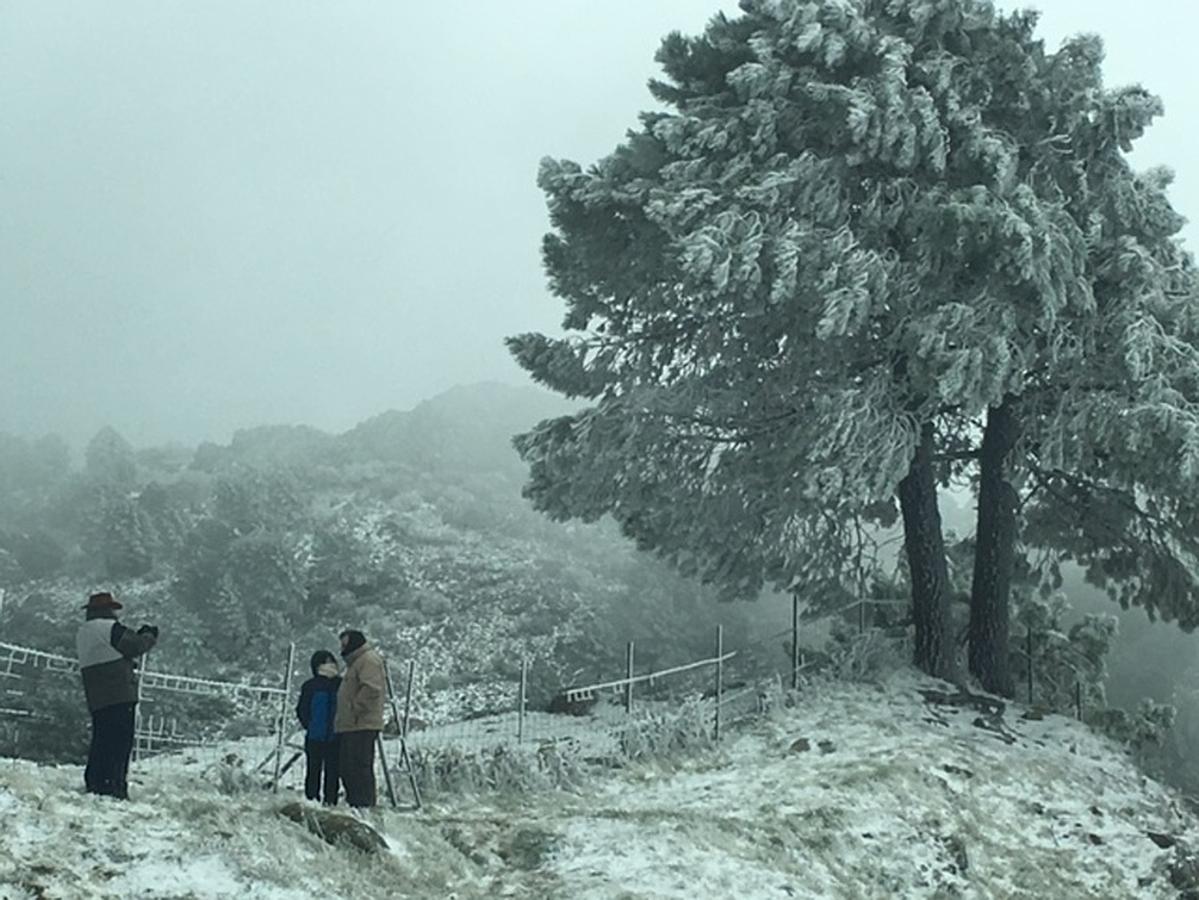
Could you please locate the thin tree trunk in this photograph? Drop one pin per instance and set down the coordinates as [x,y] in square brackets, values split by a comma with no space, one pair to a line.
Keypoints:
[925,548]
[994,553]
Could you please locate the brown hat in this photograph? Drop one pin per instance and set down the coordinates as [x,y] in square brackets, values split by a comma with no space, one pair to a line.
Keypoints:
[102,600]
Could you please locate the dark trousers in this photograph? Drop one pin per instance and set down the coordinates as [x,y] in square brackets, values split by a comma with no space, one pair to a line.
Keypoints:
[107,769]
[356,760]
[321,758]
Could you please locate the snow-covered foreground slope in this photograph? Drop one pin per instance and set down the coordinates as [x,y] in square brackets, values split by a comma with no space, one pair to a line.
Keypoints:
[891,798]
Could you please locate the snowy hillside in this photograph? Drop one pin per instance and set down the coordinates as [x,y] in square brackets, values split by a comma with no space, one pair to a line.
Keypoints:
[857,791]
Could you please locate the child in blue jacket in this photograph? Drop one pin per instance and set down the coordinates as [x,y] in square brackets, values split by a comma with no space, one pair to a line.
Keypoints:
[316,709]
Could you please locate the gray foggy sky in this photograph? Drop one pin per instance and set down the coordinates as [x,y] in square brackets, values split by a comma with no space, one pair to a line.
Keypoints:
[223,214]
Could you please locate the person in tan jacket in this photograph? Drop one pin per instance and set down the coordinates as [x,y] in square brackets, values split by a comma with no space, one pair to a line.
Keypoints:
[359,719]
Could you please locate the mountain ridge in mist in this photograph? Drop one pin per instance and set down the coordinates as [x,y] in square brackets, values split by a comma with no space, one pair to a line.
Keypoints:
[462,428]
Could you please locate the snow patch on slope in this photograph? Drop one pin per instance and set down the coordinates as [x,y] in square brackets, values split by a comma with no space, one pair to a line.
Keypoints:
[891,799]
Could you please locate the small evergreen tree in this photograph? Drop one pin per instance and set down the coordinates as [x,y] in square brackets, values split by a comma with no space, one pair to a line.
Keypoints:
[29,472]
[241,568]
[126,539]
[109,459]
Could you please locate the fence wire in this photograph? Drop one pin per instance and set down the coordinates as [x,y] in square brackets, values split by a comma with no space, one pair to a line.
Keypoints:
[248,730]
[199,723]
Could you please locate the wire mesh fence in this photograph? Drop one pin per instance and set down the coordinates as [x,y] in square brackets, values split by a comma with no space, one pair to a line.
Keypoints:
[642,712]
[248,730]
[199,721]
[206,723]
[40,704]
[1054,676]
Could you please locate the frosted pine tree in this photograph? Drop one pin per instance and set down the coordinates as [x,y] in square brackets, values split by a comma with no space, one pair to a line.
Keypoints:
[860,237]
[109,459]
[1101,429]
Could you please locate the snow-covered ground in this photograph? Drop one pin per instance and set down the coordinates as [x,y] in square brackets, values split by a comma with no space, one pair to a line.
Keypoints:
[891,798]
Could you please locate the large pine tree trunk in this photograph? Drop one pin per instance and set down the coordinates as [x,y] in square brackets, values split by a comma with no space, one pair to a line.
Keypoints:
[926,559]
[994,554]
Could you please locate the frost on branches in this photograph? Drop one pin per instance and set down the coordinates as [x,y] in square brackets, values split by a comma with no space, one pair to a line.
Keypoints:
[871,248]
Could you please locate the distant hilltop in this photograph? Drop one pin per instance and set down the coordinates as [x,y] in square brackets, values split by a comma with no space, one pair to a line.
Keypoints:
[466,427]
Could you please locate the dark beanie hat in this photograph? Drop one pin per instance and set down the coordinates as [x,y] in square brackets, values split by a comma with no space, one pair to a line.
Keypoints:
[354,640]
[321,656]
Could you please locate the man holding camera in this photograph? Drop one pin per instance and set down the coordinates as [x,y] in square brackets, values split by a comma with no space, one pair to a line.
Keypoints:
[107,650]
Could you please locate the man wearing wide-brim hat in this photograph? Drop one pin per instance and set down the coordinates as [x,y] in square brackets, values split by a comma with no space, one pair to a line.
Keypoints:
[107,650]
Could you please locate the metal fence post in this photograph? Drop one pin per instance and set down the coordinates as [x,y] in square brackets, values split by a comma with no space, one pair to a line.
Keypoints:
[400,720]
[1028,661]
[142,668]
[408,698]
[628,687]
[521,700]
[794,642]
[395,712]
[719,679]
[284,702]
[387,782]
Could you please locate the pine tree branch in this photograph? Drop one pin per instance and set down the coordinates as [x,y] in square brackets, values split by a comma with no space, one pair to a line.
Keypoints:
[1155,527]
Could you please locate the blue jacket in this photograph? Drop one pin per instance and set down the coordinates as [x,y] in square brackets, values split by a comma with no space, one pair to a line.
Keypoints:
[317,707]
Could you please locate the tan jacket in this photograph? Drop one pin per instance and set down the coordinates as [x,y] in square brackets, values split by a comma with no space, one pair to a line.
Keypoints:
[363,692]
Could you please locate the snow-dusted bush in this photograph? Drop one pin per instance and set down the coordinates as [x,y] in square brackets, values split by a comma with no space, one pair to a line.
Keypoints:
[232,777]
[658,736]
[502,769]
[1064,660]
[1069,669]
[860,655]
[1142,729]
